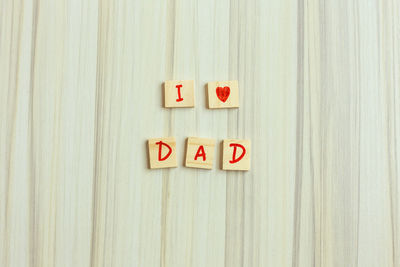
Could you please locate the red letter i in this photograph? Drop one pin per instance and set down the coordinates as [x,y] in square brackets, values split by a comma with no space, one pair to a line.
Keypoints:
[179,93]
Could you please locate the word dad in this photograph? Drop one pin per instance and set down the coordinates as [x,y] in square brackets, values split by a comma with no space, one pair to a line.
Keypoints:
[222,94]
[200,153]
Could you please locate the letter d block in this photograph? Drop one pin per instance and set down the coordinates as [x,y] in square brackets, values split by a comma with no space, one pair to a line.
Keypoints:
[236,155]
[162,153]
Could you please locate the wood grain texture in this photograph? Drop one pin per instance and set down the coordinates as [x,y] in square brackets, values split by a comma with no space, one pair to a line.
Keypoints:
[81,92]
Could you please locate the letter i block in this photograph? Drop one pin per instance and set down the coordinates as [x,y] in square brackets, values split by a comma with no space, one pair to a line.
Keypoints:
[162,153]
[200,153]
[236,155]
[178,94]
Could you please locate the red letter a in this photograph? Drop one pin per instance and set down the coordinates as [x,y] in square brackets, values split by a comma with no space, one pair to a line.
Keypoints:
[161,143]
[234,159]
[200,153]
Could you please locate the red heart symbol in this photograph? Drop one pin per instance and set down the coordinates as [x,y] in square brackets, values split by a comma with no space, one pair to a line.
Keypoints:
[223,93]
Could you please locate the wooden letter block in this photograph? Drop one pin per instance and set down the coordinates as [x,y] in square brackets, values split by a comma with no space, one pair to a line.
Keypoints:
[223,94]
[236,155]
[200,153]
[162,152]
[178,94]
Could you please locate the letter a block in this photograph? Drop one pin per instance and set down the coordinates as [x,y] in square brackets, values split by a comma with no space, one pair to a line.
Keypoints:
[178,94]
[162,153]
[224,94]
[236,155]
[200,153]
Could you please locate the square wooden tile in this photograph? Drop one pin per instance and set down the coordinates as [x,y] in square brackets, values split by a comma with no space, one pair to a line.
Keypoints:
[179,94]
[223,94]
[200,153]
[236,154]
[162,152]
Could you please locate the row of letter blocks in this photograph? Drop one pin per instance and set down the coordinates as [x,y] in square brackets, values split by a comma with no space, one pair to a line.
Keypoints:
[221,94]
[200,153]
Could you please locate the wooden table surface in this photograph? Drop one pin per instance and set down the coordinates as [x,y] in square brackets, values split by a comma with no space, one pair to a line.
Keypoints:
[80,93]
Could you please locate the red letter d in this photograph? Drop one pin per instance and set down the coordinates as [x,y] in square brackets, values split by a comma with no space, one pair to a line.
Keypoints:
[235,146]
[161,143]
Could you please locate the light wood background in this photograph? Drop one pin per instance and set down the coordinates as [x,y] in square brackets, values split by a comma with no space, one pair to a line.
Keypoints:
[80,92]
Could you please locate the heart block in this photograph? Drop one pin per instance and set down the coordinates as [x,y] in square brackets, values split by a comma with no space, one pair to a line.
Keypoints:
[223,94]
